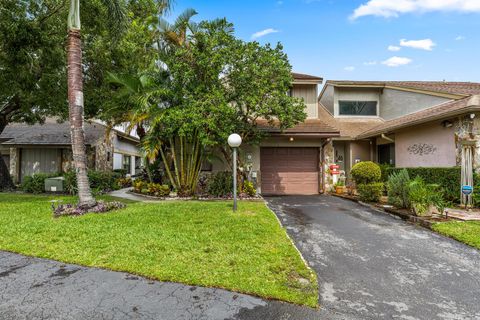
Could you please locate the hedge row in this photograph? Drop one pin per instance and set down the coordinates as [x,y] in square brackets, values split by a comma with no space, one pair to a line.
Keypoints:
[100,181]
[449,179]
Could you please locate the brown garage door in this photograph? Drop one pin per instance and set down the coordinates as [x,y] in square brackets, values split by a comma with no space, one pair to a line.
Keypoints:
[289,170]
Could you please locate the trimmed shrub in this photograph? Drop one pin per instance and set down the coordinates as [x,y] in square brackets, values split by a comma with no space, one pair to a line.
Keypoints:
[385,169]
[100,181]
[36,183]
[448,179]
[398,189]
[220,184]
[366,172]
[370,192]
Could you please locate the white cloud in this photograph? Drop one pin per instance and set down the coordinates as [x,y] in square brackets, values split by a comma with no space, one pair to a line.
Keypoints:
[394,8]
[393,48]
[425,44]
[263,33]
[349,68]
[397,61]
[460,38]
[370,63]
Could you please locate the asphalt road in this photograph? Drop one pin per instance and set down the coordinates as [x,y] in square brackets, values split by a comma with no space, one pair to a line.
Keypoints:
[370,266]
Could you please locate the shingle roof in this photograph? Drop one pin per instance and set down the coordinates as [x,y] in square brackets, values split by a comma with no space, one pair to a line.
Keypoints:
[441,111]
[48,134]
[302,76]
[310,126]
[458,88]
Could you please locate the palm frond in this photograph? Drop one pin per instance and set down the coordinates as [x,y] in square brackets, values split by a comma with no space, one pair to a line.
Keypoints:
[184,18]
[116,10]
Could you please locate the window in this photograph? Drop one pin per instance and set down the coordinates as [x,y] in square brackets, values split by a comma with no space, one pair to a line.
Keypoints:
[138,165]
[357,108]
[126,165]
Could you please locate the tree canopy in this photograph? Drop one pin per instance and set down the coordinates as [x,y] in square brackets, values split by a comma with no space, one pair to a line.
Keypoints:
[213,84]
[33,56]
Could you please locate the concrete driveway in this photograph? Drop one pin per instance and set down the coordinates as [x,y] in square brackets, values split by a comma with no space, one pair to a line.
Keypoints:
[373,266]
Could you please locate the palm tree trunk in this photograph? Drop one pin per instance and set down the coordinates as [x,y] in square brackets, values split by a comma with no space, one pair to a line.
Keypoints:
[75,108]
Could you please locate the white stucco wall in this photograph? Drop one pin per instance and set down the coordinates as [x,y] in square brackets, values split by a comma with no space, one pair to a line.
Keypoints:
[428,145]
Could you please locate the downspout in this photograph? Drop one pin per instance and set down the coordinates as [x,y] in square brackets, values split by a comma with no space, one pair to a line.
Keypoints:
[322,159]
[387,138]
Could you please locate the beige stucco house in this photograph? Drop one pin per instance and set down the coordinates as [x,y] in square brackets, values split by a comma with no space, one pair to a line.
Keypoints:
[404,124]
[45,148]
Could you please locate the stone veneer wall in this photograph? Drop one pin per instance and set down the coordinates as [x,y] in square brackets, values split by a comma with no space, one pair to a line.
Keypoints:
[14,164]
[104,155]
[469,129]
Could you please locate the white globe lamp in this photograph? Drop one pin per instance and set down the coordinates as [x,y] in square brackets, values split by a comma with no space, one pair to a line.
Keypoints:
[234,141]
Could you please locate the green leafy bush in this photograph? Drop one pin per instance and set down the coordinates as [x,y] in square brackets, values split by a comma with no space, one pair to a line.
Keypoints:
[249,189]
[370,192]
[100,181]
[366,172]
[139,185]
[422,196]
[220,184]
[124,182]
[36,183]
[151,188]
[398,189]
[385,169]
[449,179]
[158,190]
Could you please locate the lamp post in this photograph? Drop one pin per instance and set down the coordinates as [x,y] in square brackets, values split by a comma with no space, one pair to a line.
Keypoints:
[234,141]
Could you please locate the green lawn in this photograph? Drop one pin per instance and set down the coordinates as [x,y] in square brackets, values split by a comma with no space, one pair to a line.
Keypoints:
[198,243]
[467,232]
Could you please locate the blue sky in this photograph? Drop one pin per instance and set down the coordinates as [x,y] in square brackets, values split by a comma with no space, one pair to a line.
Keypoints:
[350,39]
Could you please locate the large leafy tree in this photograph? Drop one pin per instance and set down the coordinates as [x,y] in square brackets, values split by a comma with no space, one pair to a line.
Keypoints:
[218,85]
[33,57]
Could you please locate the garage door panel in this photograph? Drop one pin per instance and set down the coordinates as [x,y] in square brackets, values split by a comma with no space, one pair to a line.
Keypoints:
[289,170]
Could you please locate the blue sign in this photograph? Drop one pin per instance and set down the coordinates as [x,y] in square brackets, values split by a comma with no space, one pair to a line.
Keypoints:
[467,190]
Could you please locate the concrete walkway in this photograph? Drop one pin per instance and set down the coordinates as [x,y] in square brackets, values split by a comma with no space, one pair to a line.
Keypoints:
[125,194]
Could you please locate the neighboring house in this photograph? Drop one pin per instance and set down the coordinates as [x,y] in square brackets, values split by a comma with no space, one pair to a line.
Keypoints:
[401,123]
[46,148]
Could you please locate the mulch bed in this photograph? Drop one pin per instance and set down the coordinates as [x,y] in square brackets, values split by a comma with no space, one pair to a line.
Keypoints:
[202,198]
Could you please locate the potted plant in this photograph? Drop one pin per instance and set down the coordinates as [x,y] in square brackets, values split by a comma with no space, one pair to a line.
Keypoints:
[340,186]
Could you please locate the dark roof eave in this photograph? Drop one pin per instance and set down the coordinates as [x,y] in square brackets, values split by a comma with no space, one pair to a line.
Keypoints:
[309,134]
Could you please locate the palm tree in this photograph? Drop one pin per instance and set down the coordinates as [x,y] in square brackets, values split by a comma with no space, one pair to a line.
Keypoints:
[75,88]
